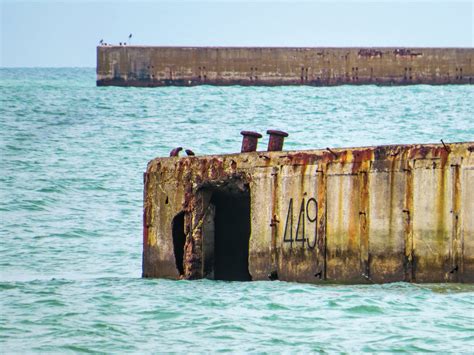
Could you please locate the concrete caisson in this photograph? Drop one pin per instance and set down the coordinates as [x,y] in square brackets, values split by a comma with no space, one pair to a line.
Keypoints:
[188,66]
[356,215]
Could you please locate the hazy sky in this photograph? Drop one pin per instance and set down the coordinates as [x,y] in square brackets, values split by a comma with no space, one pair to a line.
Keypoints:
[52,33]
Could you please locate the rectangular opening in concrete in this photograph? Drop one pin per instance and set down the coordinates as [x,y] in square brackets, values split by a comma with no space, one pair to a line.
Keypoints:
[179,239]
[230,234]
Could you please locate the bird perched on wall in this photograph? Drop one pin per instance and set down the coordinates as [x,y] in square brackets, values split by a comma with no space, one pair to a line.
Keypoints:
[130,38]
[101,42]
[189,152]
[175,152]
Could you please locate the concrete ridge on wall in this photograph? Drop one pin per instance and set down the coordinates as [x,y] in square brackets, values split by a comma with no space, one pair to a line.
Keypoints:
[274,47]
[319,151]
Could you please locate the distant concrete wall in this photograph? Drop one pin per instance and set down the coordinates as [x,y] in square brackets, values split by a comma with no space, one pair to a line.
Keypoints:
[374,214]
[187,66]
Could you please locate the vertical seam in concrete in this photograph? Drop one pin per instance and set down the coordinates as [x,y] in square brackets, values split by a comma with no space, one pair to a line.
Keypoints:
[274,248]
[363,223]
[457,260]
[409,247]
[325,195]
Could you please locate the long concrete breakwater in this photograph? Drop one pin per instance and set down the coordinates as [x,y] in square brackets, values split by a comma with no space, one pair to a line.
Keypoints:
[356,215]
[189,66]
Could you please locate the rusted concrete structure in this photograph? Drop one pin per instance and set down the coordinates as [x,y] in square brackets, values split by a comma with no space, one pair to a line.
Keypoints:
[187,66]
[356,215]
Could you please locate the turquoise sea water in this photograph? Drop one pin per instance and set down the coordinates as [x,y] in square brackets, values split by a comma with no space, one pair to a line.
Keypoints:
[71,162]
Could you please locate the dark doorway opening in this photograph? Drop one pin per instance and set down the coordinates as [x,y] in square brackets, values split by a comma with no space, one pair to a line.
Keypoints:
[231,233]
[179,239]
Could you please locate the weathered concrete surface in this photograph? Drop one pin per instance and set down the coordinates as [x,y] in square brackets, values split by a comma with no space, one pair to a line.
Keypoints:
[187,66]
[373,214]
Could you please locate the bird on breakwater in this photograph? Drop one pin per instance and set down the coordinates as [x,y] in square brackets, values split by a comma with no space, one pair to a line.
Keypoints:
[189,152]
[175,152]
[101,42]
[130,38]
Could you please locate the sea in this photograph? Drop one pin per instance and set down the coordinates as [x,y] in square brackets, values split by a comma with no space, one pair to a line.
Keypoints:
[72,157]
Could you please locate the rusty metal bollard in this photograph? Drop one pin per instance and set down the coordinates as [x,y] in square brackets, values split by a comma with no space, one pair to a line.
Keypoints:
[275,144]
[250,141]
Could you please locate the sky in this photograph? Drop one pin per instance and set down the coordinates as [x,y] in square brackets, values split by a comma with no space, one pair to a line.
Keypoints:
[65,34]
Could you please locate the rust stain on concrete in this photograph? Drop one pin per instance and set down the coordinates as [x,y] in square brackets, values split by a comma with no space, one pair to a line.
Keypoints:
[370,214]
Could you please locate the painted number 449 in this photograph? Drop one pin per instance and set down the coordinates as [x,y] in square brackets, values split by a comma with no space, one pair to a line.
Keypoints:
[308,213]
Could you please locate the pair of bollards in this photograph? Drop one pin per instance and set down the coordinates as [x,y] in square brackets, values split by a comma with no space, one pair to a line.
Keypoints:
[250,140]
